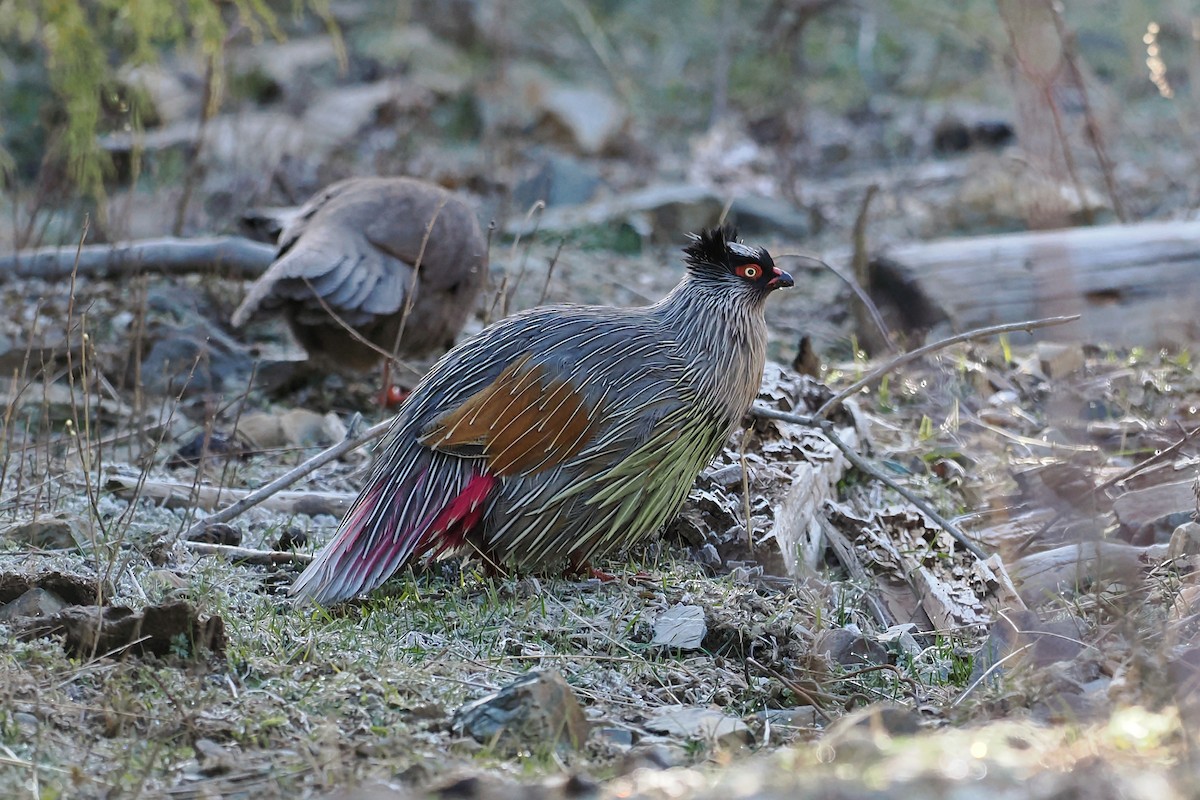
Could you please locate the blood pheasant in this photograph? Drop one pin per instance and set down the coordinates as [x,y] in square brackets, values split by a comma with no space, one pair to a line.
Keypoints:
[562,432]
[353,256]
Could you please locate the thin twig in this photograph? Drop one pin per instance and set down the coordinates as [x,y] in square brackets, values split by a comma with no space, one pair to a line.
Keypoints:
[860,271]
[855,287]
[290,477]
[913,355]
[249,555]
[550,270]
[975,684]
[863,465]
[796,689]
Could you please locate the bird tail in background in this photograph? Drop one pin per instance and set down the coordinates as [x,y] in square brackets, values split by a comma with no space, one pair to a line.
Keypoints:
[387,527]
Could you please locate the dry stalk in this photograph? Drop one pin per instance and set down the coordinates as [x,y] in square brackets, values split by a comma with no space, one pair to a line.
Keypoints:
[501,296]
[249,555]
[550,270]
[287,479]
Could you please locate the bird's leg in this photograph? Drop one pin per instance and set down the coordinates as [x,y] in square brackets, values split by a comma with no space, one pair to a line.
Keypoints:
[578,567]
[391,396]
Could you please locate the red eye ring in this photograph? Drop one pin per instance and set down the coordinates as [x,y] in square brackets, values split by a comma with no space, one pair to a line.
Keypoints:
[750,271]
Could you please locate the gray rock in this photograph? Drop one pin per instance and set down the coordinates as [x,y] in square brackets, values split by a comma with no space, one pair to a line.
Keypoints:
[695,723]
[49,533]
[591,120]
[798,717]
[195,360]
[680,627]
[559,180]
[849,648]
[766,216]
[33,604]
[538,710]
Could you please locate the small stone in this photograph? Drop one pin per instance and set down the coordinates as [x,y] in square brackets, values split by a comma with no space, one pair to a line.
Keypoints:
[261,429]
[1185,540]
[214,759]
[655,756]
[680,626]
[870,724]
[537,710]
[560,180]
[591,120]
[291,539]
[1057,359]
[33,604]
[696,723]
[618,737]
[849,648]
[798,717]
[217,533]
[304,428]
[708,556]
[49,533]
[756,215]
[27,722]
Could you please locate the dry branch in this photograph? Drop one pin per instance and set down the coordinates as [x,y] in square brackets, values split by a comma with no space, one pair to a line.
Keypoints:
[231,255]
[173,494]
[248,555]
[287,479]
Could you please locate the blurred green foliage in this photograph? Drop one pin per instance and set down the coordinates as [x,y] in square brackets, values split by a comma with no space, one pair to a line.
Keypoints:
[64,84]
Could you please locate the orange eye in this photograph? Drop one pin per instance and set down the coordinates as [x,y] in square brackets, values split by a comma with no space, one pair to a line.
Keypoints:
[750,271]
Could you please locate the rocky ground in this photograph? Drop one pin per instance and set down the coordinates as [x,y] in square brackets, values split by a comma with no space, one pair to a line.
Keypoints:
[802,630]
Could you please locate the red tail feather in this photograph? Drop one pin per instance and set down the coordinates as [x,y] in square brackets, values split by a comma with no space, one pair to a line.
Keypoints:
[373,540]
[461,514]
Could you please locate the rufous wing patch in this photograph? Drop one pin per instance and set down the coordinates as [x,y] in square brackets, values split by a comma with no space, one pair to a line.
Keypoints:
[522,423]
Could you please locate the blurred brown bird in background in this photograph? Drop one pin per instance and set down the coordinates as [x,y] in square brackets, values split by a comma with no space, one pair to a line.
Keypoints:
[397,260]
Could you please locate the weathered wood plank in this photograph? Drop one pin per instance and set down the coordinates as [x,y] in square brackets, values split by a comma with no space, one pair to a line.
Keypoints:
[1131,284]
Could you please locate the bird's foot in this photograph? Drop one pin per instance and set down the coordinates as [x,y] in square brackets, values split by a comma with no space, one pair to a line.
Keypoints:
[599,574]
[582,569]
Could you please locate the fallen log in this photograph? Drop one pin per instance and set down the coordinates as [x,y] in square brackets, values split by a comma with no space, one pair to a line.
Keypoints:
[1130,284]
[229,255]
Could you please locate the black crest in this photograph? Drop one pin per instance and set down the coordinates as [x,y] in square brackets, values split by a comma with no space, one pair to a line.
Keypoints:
[717,253]
[710,247]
